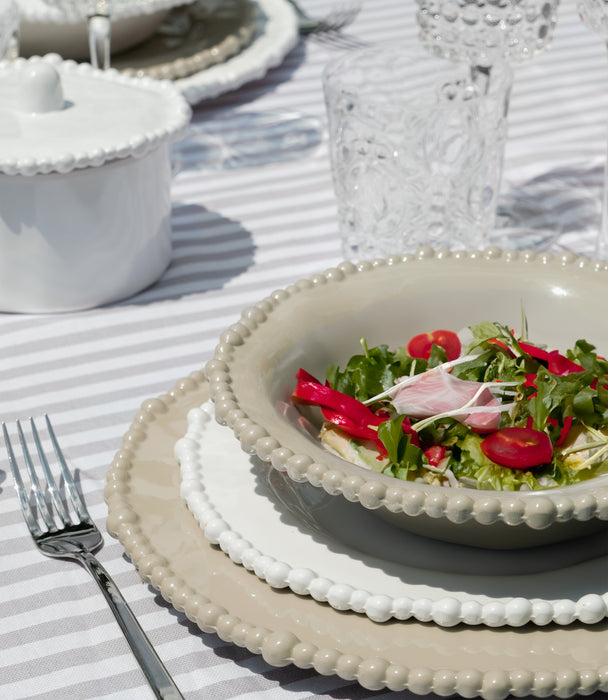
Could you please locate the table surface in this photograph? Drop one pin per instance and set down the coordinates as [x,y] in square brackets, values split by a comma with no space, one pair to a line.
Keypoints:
[256,220]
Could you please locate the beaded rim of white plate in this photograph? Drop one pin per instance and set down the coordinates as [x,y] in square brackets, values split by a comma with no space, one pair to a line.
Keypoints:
[446,611]
[537,510]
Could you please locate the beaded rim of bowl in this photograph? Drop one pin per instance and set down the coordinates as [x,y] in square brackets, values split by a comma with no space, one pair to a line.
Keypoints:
[172,127]
[537,510]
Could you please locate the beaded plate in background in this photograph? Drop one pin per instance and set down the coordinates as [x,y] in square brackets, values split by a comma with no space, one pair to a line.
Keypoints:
[192,38]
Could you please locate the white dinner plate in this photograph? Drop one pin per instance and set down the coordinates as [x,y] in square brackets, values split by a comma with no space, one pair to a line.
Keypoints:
[274,35]
[295,536]
[277,34]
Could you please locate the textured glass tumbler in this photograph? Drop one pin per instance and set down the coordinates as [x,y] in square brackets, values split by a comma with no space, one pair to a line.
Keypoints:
[416,151]
[484,31]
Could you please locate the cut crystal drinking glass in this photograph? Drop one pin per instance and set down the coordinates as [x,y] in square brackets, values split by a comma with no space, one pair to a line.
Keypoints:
[485,33]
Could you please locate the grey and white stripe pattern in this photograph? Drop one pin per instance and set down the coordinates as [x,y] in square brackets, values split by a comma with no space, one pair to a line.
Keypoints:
[247,220]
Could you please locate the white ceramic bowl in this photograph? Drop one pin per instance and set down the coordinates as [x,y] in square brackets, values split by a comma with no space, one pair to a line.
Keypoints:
[85,191]
[44,28]
[320,320]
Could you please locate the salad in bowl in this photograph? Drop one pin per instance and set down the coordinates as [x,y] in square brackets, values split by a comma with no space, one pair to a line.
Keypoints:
[437,470]
[483,408]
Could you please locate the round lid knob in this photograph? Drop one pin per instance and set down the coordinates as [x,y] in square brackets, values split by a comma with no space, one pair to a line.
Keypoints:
[41,89]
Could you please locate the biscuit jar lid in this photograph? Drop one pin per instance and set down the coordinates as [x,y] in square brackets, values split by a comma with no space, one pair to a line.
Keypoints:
[57,116]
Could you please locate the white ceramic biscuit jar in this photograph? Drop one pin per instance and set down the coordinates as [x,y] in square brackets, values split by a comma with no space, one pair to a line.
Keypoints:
[85,183]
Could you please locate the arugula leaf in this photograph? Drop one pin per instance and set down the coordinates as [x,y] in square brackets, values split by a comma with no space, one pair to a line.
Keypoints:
[403,454]
[541,405]
[437,357]
[370,374]
[486,330]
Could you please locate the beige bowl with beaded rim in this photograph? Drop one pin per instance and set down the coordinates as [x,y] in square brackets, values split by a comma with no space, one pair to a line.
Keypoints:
[321,320]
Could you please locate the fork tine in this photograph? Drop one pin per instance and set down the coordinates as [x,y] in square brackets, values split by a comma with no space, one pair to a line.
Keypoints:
[23,500]
[77,501]
[37,490]
[62,511]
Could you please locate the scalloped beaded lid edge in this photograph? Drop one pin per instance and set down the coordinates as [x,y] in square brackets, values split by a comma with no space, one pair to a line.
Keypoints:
[46,96]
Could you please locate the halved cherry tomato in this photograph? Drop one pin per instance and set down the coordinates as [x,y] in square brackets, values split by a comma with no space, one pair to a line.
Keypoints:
[421,345]
[518,448]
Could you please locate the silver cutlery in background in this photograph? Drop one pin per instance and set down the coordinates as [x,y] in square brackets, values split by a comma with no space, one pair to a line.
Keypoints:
[328,28]
[67,531]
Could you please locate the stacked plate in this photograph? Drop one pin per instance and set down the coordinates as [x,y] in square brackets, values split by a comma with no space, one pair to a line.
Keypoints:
[206,46]
[276,544]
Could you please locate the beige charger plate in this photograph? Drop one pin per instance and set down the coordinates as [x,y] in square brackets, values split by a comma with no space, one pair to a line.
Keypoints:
[171,553]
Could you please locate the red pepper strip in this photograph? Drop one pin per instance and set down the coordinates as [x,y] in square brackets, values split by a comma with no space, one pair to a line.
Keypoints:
[563,433]
[501,345]
[593,384]
[556,363]
[344,411]
[303,376]
[533,351]
[353,429]
[348,425]
[530,379]
[435,454]
[408,430]
[315,393]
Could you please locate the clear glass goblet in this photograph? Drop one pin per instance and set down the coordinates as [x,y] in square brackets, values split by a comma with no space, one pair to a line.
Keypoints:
[484,33]
[594,14]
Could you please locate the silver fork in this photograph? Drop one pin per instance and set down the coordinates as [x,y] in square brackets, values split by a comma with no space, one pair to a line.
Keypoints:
[67,531]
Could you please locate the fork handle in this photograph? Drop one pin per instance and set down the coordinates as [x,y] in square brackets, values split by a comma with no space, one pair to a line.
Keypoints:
[158,677]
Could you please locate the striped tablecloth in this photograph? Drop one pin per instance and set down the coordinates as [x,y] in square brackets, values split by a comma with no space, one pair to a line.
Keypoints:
[243,226]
